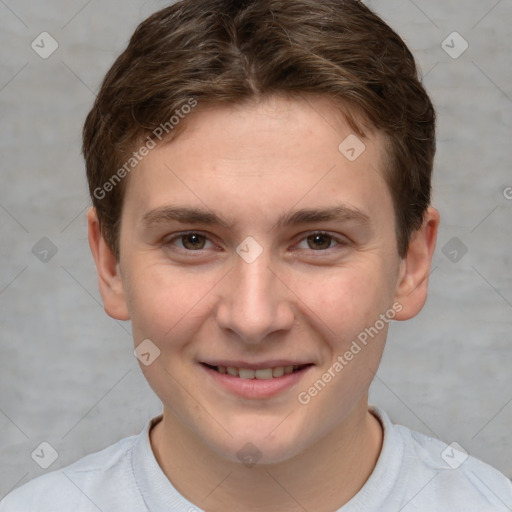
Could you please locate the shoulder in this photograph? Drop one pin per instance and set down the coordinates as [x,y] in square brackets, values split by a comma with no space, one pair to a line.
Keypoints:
[84,485]
[451,479]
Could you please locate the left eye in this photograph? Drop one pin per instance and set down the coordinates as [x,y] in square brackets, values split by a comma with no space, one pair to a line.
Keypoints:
[320,241]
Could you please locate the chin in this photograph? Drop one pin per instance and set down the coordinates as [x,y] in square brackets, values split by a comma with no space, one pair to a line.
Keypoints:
[261,444]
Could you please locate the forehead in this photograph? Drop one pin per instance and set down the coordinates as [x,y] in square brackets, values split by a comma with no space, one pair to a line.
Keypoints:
[264,156]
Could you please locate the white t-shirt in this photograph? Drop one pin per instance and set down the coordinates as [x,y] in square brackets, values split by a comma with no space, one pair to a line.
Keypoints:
[414,473]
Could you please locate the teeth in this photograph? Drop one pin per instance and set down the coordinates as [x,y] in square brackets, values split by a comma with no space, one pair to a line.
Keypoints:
[246,373]
[263,374]
[278,372]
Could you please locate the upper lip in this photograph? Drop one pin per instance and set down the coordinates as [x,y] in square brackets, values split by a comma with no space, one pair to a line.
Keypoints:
[255,366]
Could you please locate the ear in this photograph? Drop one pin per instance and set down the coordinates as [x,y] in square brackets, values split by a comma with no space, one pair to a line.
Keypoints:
[412,284]
[109,278]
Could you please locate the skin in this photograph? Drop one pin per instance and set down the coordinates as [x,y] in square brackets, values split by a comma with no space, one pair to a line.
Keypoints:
[302,298]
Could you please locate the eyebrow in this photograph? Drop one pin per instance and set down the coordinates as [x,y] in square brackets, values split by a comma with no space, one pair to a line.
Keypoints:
[192,215]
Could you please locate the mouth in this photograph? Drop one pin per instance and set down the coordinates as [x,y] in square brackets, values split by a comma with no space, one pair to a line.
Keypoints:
[254,382]
[272,372]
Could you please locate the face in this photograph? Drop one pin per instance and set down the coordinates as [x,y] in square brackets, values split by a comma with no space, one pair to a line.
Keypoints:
[254,254]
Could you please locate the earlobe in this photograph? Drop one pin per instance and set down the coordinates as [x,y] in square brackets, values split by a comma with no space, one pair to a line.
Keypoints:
[109,278]
[412,284]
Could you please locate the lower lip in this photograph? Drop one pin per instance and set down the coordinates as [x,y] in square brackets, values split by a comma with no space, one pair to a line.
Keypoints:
[256,388]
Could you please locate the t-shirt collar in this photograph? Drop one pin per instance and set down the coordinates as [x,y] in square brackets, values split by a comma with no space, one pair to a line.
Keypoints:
[159,494]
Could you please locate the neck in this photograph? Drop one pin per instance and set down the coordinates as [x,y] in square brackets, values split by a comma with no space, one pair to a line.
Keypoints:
[323,478]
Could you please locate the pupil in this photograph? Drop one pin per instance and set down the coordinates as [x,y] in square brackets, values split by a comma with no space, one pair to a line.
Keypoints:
[319,238]
[193,239]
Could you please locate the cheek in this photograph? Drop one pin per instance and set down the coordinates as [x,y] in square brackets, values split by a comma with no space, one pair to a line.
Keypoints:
[344,300]
[164,301]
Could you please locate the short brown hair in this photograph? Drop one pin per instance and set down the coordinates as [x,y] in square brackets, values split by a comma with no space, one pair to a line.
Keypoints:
[228,51]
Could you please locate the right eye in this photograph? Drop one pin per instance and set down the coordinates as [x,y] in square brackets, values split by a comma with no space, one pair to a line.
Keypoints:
[191,241]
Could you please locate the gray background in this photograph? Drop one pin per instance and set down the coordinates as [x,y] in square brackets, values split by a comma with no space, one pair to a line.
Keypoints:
[68,373]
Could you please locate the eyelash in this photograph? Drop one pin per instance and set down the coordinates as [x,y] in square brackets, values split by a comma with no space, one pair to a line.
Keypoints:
[339,241]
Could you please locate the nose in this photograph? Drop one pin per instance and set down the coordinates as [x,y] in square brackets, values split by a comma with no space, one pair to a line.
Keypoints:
[255,302]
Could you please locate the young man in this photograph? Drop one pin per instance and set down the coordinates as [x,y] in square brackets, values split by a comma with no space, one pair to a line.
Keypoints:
[260,175]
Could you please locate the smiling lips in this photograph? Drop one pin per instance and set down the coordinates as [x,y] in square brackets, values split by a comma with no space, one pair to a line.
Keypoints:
[256,381]
[259,373]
